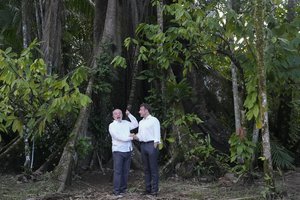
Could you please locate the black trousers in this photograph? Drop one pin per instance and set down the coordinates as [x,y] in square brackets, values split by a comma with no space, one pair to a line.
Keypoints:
[121,170]
[150,163]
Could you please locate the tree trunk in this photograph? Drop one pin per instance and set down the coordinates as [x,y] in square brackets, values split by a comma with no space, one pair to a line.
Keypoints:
[44,167]
[236,99]
[135,18]
[52,34]
[99,21]
[26,25]
[6,153]
[64,168]
[207,106]
[27,152]
[135,70]
[160,22]
[109,30]
[291,10]
[136,156]
[38,20]
[255,136]
[10,156]
[262,91]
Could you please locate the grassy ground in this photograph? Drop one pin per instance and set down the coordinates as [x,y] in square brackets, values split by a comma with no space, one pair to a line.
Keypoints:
[95,185]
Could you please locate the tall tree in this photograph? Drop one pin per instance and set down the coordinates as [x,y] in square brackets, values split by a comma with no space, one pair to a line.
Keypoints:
[291,10]
[52,34]
[26,22]
[234,79]
[26,25]
[65,166]
[137,16]
[262,91]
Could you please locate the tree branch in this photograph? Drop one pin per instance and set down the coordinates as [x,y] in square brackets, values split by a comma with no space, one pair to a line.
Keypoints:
[91,3]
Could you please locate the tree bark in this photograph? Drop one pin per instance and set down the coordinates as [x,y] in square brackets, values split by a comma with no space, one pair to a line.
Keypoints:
[255,136]
[236,100]
[38,20]
[135,65]
[11,146]
[109,28]
[52,34]
[27,152]
[99,21]
[135,70]
[44,167]
[262,91]
[291,10]
[26,25]
[208,108]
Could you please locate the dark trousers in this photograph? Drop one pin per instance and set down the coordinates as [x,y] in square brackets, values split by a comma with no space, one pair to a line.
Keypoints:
[121,170]
[150,162]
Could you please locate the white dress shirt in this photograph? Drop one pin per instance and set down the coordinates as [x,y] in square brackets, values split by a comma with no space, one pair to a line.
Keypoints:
[120,131]
[149,129]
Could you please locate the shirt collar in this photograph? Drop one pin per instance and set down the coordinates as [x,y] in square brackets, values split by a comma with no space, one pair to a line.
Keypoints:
[148,117]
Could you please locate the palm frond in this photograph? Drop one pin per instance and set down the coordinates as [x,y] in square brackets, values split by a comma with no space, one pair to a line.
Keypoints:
[295,118]
[10,23]
[80,7]
[281,157]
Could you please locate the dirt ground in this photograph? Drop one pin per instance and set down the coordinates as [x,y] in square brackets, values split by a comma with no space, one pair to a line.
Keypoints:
[94,185]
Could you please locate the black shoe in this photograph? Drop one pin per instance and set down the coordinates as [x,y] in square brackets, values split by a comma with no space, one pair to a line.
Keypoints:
[146,193]
[118,196]
[124,191]
[154,194]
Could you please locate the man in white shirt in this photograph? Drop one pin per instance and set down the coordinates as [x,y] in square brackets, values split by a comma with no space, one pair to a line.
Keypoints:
[119,130]
[149,137]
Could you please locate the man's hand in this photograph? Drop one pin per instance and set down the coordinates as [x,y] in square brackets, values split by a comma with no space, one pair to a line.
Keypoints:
[156,144]
[127,112]
[133,136]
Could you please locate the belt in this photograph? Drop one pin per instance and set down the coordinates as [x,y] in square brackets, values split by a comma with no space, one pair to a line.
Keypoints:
[147,142]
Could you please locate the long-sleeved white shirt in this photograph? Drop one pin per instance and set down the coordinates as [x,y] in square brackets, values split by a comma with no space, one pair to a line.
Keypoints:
[149,129]
[120,131]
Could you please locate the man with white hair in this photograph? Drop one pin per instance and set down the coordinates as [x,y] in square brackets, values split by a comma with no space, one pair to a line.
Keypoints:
[119,130]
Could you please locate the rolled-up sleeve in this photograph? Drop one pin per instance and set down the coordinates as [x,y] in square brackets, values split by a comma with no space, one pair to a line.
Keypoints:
[156,130]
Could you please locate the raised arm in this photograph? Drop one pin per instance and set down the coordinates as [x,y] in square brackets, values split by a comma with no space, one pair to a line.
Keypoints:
[133,122]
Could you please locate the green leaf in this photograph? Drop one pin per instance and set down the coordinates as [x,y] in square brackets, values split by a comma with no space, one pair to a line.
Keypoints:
[17,126]
[84,100]
[42,126]
[119,61]
[171,139]
[127,42]
[255,111]
[8,50]
[240,150]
